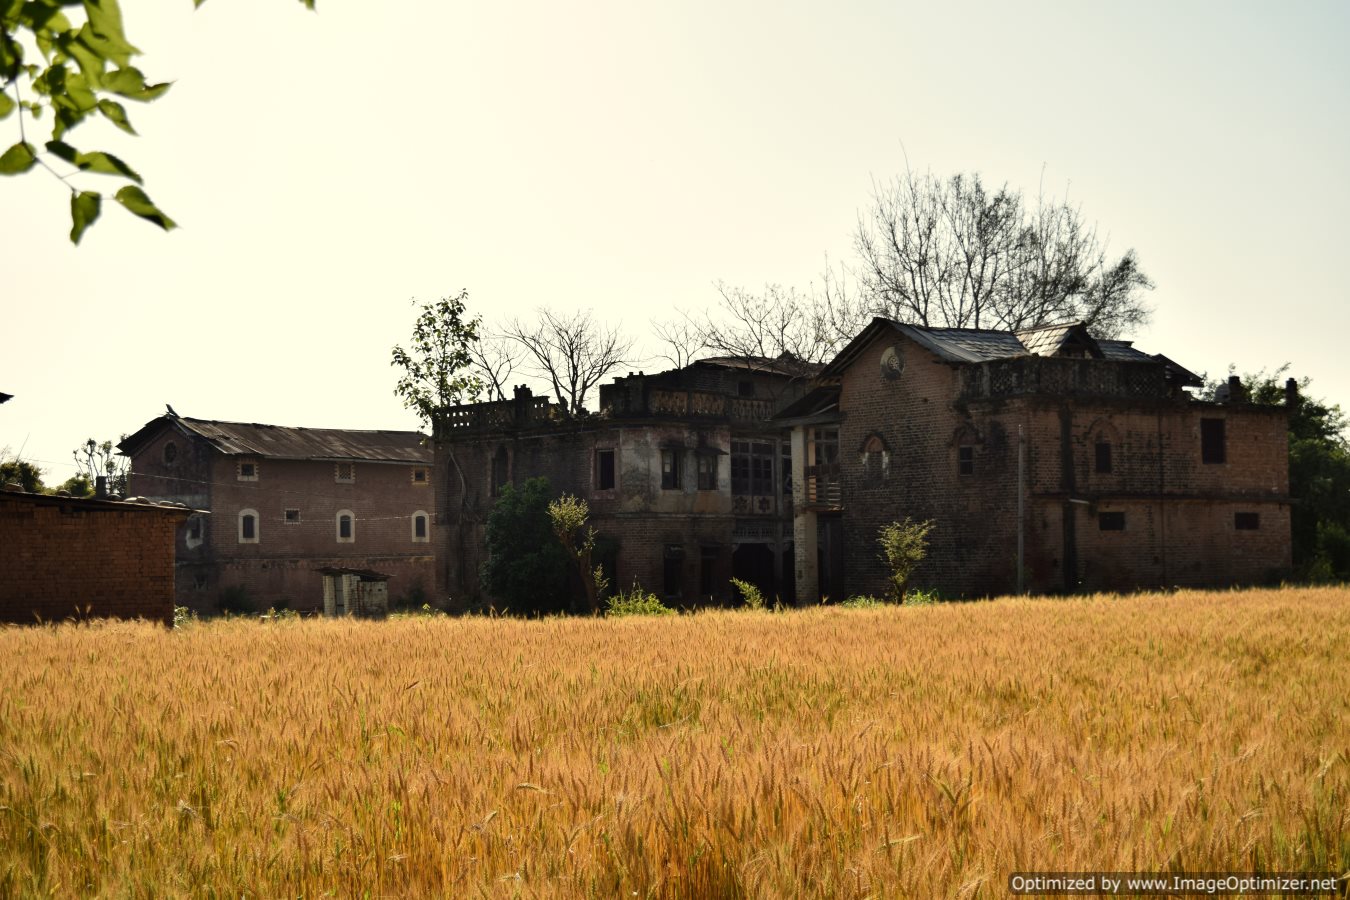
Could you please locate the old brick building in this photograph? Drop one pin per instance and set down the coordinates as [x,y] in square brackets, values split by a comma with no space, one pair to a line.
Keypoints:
[63,557]
[1125,479]
[286,502]
[684,472]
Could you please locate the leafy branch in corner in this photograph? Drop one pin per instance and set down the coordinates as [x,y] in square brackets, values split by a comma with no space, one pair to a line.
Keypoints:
[74,70]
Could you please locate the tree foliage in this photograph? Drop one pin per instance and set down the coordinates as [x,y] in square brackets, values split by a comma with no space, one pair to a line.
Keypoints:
[903,546]
[1319,475]
[99,458]
[568,515]
[527,568]
[71,65]
[436,365]
[14,470]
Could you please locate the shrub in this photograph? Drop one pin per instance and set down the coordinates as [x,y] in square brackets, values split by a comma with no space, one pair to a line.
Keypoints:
[636,602]
[750,595]
[527,568]
[903,546]
[920,597]
[182,617]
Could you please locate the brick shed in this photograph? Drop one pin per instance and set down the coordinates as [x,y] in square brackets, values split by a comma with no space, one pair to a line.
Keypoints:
[65,557]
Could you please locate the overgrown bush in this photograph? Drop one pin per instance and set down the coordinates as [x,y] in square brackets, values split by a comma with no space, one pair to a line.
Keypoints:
[903,546]
[637,602]
[920,597]
[182,617]
[527,568]
[751,596]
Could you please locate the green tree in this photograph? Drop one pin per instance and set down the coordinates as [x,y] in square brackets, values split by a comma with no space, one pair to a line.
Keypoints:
[77,486]
[1319,475]
[94,458]
[568,516]
[72,66]
[527,568]
[903,546]
[14,470]
[436,364]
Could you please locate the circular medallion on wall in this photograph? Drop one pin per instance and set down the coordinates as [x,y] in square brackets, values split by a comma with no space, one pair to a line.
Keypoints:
[892,363]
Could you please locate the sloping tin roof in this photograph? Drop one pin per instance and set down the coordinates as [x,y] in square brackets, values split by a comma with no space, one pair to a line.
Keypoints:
[288,442]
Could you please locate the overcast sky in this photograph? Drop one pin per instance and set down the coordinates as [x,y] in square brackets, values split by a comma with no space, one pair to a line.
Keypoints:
[327,168]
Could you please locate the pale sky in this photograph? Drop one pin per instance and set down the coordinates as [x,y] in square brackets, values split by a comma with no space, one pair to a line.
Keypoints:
[327,168]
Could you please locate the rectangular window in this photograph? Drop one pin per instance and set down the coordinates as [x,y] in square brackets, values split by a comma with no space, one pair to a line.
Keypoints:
[344,472]
[1111,521]
[248,528]
[194,529]
[673,571]
[752,468]
[965,460]
[292,517]
[419,475]
[248,471]
[707,472]
[1103,458]
[1212,449]
[670,470]
[1246,521]
[419,527]
[745,388]
[604,470]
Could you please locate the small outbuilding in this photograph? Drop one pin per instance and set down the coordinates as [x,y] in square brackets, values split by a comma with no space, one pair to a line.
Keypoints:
[355,592]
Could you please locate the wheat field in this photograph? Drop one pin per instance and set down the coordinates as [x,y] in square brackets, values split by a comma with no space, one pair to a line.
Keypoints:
[895,752]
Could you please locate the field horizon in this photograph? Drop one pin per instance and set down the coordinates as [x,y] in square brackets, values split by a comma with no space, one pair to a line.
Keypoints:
[900,751]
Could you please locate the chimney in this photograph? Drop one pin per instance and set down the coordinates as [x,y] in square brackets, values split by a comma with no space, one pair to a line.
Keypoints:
[1236,392]
[101,487]
[1291,393]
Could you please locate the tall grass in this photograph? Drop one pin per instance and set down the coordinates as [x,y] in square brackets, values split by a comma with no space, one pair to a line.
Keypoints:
[848,752]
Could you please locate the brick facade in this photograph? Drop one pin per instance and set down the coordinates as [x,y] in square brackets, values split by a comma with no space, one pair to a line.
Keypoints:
[295,504]
[73,558]
[937,438]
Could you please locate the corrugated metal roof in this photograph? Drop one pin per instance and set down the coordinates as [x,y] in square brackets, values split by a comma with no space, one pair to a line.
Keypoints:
[287,442]
[783,365]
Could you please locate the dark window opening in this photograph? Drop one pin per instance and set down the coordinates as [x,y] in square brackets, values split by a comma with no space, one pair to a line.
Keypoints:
[670,470]
[785,469]
[248,470]
[292,516]
[965,460]
[248,527]
[194,529]
[419,476]
[345,472]
[751,468]
[1246,521]
[707,572]
[707,472]
[1111,521]
[1212,449]
[1103,458]
[420,527]
[673,571]
[604,470]
[746,388]
[344,527]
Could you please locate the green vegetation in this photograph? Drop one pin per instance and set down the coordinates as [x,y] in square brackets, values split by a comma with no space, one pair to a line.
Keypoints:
[751,596]
[527,567]
[903,546]
[637,602]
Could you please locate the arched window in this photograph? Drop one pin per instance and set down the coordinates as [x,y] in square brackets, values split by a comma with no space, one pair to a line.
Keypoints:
[248,526]
[876,459]
[501,470]
[421,527]
[346,526]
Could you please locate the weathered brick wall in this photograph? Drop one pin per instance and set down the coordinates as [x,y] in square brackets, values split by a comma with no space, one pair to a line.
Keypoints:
[1179,512]
[277,570]
[72,558]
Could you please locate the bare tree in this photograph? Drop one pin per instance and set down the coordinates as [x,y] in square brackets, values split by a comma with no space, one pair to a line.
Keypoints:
[954,253]
[494,358]
[682,340]
[94,459]
[573,352]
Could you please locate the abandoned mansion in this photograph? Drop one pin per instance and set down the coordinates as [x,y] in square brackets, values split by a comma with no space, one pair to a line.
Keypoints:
[1047,459]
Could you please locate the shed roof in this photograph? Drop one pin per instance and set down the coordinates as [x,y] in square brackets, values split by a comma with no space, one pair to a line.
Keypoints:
[290,442]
